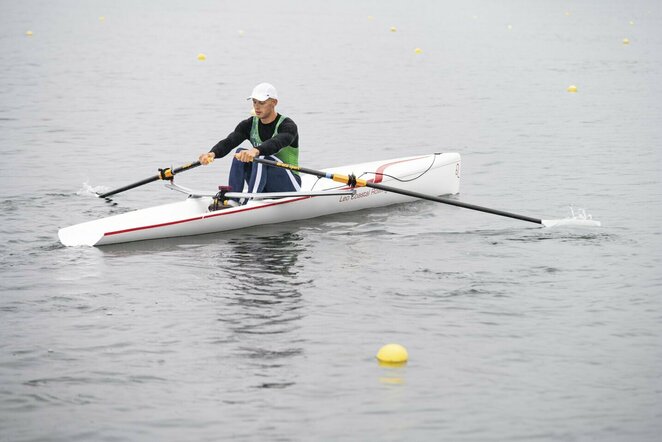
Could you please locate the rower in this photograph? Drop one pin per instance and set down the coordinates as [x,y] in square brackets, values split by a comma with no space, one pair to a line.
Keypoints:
[273,136]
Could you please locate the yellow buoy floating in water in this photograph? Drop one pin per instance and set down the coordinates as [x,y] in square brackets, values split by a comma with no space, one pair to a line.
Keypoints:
[28,33]
[393,354]
[393,29]
[418,51]
[202,57]
[102,18]
[626,41]
[572,88]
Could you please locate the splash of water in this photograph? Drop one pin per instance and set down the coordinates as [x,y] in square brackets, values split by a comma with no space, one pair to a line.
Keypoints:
[89,190]
[578,217]
[579,213]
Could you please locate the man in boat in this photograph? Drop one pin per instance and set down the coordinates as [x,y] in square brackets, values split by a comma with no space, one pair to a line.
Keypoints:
[273,136]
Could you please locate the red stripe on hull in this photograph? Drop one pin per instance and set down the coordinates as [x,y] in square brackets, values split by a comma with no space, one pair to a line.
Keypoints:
[198,218]
[380,170]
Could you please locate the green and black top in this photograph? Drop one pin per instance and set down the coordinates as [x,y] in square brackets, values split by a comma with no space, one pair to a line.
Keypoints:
[279,138]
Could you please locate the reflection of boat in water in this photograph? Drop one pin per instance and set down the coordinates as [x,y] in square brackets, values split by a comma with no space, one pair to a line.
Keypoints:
[261,297]
[436,174]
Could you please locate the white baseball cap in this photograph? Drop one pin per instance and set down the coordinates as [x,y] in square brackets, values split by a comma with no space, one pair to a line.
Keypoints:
[263,91]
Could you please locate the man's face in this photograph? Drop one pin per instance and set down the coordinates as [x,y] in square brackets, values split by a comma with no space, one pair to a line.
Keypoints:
[263,109]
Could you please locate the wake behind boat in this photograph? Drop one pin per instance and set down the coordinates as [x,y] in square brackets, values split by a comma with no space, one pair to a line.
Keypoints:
[436,174]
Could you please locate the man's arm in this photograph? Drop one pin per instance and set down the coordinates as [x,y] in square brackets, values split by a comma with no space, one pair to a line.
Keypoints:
[234,139]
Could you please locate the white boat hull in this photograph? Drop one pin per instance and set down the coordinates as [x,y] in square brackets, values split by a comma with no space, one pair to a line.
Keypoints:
[437,174]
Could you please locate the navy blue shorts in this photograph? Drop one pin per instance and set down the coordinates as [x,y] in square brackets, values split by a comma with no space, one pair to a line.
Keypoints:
[261,178]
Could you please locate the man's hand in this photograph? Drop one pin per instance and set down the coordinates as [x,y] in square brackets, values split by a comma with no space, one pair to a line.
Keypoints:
[246,156]
[206,158]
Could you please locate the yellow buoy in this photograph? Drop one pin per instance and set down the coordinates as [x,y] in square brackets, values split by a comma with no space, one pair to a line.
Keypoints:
[29,33]
[241,33]
[418,51]
[626,41]
[393,29]
[393,353]
[567,13]
[371,18]
[102,18]
[202,57]
[632,22]
[572,88]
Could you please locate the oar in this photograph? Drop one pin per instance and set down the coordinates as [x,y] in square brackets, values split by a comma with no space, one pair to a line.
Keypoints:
[353,181]
[164,174]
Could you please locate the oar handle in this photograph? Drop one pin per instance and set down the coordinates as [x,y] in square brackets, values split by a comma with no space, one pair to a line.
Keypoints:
[164,174]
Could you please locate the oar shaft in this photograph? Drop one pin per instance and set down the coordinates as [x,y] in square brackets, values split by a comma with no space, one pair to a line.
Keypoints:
[130,186]
[364,183]
[164,174]
[184,168]
[332,176]
[454,203]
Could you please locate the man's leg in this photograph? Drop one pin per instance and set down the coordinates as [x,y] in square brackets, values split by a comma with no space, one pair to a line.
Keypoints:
[263,178]
[272,179]
[281,180]
[240,173]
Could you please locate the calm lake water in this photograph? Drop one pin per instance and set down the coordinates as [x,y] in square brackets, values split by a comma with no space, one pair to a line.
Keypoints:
[514,332]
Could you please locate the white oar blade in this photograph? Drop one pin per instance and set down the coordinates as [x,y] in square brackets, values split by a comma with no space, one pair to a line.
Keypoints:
[573,222]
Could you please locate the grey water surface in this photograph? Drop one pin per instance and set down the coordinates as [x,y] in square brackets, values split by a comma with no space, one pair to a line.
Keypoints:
[514,332]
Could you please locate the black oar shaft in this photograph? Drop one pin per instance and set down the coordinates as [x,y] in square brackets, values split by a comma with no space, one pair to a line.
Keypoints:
[164,174]
[130,186]
[455,203]
[363,183]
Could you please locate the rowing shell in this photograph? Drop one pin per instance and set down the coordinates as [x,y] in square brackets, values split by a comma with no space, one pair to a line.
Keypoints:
[437,174]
